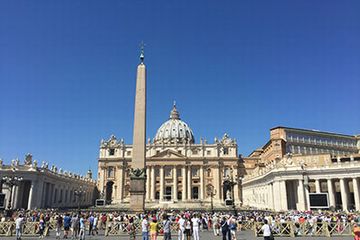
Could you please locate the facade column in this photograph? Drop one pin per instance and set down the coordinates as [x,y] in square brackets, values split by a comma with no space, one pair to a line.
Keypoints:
[161,183]
[301,196]
[30,200]
[183,176]
[148,183]
[175,182]
[307,197]
[120,186]
[189,192]
[153,183]
[216,178]
[283,193]
[331,193]
[344,196]
[317,186]
[202,196]
[356,193]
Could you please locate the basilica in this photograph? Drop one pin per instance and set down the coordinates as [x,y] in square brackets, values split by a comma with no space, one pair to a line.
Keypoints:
[180,173]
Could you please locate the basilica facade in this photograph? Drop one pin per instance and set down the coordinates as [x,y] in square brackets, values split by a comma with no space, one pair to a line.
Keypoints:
[180,173]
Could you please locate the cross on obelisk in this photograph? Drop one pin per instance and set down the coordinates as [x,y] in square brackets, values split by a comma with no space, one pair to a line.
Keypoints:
[138,165]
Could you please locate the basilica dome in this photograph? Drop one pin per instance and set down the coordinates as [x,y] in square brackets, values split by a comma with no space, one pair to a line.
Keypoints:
[174,130]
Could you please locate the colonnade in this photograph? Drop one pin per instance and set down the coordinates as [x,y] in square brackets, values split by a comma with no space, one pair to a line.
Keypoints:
[284,194]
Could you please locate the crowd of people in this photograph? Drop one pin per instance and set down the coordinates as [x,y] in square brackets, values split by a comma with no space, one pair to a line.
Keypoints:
[186,225]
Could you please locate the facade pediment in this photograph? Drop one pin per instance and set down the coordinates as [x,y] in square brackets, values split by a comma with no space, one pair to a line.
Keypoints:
[168,154]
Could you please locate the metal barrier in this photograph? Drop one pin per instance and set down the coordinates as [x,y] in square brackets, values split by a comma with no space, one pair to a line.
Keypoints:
[120,228]
[317,229]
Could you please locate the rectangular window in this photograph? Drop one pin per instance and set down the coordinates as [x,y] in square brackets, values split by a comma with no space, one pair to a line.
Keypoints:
[111,151]
[208,152]
[128,153]
[226,151]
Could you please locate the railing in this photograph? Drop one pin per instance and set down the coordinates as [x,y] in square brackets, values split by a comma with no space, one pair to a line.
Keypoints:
[291,229]
[285,229]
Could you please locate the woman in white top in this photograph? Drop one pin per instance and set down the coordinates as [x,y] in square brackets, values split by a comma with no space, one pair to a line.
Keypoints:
[266,230]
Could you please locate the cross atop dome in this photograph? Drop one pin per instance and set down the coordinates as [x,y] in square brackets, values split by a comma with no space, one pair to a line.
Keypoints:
[174,114]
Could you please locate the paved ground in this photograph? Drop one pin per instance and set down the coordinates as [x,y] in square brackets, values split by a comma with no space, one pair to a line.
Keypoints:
[206,235]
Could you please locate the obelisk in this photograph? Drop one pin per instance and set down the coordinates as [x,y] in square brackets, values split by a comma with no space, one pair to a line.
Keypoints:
[138,166]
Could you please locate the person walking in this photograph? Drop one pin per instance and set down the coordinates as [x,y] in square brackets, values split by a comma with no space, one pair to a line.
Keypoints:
[75,225]
[82,228]
[224,228]
[67,224]
[181,226]
[19,222]
[59,222]
[266,231]
[145,228]
[154,227]
[41,226]
[195,227]
[188,228]
[216,225]
[167,227]
[131,229]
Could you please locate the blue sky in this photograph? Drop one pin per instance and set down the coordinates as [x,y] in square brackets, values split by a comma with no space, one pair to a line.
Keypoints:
[67,71]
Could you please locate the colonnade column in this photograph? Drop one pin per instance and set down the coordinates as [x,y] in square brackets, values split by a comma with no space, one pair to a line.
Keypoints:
[161,183]
[331,193]
[277,196]
[344,197]
[153,182]
[283,192]
[183,176]
[31,196]
[301,196]
[317,186]
[175,182]
[147,184]
[356,193]
[189,192]
[271,196]
[201,182]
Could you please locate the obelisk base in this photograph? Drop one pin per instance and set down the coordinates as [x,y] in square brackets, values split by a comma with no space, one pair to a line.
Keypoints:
[137,195]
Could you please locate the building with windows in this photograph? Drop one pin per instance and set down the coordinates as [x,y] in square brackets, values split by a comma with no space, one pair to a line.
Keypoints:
[180,172]
[295,163]
[29,186]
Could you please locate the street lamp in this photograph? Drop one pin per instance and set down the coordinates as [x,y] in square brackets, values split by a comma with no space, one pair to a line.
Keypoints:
[211,191]
[79,193]
[11,181]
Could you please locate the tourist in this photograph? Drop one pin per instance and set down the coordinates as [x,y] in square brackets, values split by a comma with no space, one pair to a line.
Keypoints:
[145,228]
[154,227]
[266,231]
[357,231]
[91,224]
[181,227]
[188,228]
[67,224]
[216,225]
[75,226]
[233,227]
[195,226]
[19,226]
[95,225]
[131,229]
[167,227]
[41,226]
[59,222]
[224,228]
[82,228]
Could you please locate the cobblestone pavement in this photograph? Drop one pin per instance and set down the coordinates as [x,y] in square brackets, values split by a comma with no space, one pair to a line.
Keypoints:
[206,235]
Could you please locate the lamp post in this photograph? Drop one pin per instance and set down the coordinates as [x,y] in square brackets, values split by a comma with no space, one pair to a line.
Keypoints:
[79,193]
[11,181]
[211,191]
